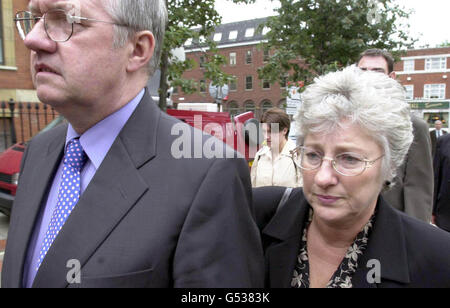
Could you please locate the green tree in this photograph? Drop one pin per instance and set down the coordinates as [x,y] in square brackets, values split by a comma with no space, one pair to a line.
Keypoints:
[312,37]
[444,44]
[190,19]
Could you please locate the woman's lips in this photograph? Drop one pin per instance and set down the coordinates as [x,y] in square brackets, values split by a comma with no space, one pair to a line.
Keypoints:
[327,199]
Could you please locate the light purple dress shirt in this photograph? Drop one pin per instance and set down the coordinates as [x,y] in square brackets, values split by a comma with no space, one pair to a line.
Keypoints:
[96,143]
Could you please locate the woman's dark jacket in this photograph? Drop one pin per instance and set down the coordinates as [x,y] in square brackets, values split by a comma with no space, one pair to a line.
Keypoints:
[411,253]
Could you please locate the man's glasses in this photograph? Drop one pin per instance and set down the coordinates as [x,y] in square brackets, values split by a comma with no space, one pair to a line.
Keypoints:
[58,24]
[347,164]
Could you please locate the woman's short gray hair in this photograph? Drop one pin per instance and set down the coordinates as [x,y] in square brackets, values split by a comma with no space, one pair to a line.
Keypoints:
[371,100]
[139,15]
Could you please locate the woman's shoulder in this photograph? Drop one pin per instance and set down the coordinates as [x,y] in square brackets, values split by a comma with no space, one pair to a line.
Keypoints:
[266,202]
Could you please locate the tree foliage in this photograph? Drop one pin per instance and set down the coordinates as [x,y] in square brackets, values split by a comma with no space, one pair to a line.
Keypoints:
[312,37]
[190,19]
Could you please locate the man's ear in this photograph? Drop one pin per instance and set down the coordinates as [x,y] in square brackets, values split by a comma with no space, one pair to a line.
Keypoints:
[142,51]
[393,75]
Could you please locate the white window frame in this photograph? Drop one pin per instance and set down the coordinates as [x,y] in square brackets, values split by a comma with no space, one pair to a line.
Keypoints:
[217,37]
[234,82]
[430,89]
[246,83]
[250,32]
[248,57]
[233,35]
[431,62]
[409,92]
[233,59]
[409,65]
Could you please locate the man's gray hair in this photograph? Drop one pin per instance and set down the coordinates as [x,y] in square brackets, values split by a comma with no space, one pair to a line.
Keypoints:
[139,15]
[371,100]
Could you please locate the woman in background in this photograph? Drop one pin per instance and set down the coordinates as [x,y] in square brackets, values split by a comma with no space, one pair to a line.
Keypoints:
[274,164]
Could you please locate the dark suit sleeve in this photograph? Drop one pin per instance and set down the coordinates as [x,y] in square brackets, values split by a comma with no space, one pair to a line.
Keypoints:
[418,181]
[437,174]
[220,246]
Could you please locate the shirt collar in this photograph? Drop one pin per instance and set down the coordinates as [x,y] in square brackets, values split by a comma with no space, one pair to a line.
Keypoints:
[97,140]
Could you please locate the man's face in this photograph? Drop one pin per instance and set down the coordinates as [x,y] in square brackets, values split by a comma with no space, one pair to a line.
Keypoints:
[438,125]
[81,70]
[376,64]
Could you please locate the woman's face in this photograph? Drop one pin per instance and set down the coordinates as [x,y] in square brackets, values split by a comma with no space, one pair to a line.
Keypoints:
[273,135]
[336,198]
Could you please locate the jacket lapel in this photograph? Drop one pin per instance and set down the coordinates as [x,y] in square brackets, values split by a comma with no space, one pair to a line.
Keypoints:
[386,248]
[32,195]
[286,227]
[114,190]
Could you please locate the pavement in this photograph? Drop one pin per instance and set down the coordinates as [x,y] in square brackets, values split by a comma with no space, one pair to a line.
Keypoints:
[4,225]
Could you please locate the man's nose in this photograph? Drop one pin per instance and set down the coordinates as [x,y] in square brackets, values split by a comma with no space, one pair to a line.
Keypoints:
[38,40]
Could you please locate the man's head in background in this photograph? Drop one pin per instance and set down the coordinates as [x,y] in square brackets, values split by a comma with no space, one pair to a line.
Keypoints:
[377,60]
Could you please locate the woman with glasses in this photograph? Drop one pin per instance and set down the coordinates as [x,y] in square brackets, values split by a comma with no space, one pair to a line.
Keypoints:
[337,231]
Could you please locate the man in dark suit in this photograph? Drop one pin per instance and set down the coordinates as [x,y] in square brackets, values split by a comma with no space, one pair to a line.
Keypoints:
[412,192]
[435,134]
[107,201]
[441,208]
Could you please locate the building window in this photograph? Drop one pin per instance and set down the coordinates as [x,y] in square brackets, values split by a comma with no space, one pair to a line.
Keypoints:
[266,84]
[2,57]
[249,106]
[249,83]
[217,37]
[432,64]
[266,56]
[248,57]
[434,91]
[233,59]
[409,65]
[265,30]
[266,106]
[233,84]
[233,108]
[202,86]
[409,92]
[233,35]
[250,32]
[202,61]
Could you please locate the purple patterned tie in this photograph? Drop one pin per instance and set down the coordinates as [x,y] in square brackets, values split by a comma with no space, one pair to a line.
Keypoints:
[68,196]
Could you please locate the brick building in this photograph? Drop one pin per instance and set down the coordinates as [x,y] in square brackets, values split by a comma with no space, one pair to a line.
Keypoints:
[25,116]
[15,78]
[240,44]
[425,74]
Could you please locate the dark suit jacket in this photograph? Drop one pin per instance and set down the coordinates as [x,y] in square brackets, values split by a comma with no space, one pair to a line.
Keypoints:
[413,191]
[146,219]
[411,253]
[441,208]
[434,139]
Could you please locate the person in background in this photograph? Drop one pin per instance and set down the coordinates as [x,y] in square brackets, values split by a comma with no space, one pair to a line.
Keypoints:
[441,206]
[412,190]
[435,134]
[104,197]
[274,164]
[339,231]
